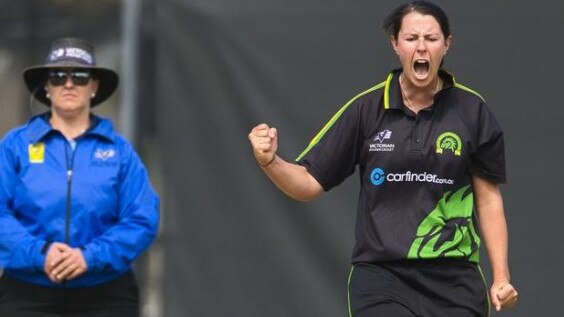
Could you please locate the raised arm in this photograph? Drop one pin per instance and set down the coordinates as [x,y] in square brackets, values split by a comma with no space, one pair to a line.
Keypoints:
[292,179]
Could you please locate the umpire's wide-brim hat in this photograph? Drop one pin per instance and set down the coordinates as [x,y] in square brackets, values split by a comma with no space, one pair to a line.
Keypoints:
[73,53]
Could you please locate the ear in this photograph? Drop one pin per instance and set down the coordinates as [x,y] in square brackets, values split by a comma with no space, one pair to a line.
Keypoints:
[95,85]
[448,42]
[394,43]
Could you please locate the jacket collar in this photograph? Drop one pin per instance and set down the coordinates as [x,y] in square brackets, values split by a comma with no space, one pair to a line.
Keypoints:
[38,128]
[392,90]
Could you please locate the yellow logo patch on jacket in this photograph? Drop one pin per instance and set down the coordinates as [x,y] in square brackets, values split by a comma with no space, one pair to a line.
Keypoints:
[36,152]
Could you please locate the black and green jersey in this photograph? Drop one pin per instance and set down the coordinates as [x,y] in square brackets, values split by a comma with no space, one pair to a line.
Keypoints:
[416,198]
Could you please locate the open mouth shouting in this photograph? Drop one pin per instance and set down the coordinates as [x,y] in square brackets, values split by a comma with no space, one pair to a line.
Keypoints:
[421,68]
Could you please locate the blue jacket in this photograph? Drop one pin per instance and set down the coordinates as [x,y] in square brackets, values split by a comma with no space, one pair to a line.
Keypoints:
[96,197]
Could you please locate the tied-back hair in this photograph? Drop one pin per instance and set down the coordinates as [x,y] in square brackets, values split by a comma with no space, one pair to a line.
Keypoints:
[392,23]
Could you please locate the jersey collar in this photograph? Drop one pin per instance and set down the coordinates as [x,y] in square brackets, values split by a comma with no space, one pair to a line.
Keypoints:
[392,92]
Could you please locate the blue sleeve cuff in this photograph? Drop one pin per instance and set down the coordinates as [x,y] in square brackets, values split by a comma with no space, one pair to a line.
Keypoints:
[40,254]
[89,258]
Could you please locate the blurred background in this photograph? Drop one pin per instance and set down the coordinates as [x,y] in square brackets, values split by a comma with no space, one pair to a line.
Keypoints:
[197,75]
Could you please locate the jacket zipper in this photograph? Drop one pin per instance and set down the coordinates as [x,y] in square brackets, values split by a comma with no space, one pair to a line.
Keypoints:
[70,163]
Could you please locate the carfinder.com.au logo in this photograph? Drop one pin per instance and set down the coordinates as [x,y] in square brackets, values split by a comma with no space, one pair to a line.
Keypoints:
[377,177]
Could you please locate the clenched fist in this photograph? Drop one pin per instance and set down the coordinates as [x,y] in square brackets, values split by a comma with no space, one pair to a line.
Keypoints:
[503,295]
[264,141]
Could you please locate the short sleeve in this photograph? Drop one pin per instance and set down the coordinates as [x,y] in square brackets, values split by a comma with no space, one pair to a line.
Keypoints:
[332,154]
[488,158]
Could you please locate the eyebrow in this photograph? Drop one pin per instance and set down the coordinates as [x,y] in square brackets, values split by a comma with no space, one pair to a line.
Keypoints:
[417,34]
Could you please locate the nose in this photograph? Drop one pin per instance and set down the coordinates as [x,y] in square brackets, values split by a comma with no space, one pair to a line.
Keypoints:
[68,81]
[421,46]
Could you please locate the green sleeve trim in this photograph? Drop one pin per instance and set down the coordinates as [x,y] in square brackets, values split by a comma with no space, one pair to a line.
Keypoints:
[387,91]
[336,116]
[457,85]
[349,291]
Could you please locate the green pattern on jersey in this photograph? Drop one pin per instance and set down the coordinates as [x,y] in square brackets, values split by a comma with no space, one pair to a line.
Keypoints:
[448,231]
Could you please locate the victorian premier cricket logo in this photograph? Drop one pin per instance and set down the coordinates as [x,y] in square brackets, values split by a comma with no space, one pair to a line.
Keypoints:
[379,145]
[449,141]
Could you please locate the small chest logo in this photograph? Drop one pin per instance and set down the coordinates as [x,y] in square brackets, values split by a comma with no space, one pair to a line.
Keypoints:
[383,135]
[103,158]
[104,155]
[449,141]
[36,152]
[379,145]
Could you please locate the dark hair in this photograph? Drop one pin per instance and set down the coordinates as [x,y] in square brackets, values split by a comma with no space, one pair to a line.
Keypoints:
[392,23]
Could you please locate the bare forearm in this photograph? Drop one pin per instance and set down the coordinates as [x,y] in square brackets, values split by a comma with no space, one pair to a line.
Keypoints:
[489,205]
[494,232]
[293,179]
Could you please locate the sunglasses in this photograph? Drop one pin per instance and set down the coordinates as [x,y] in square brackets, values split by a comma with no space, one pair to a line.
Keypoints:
[78,77]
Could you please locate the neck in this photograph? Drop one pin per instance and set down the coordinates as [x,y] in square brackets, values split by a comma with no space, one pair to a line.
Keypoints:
[416,98]
[70,127]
